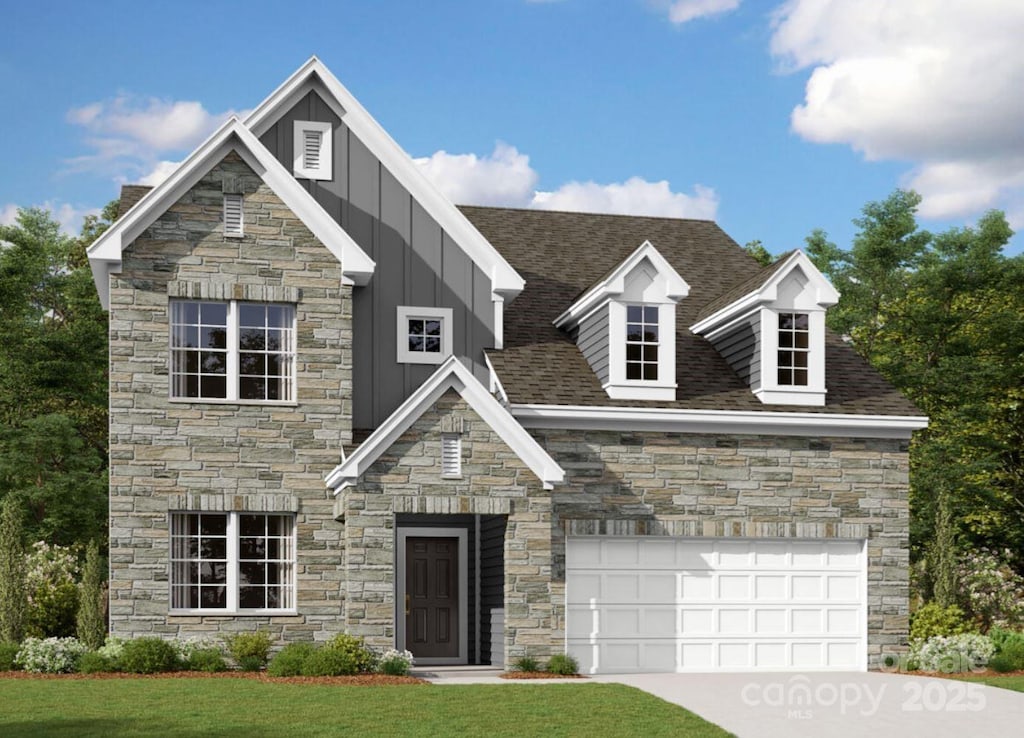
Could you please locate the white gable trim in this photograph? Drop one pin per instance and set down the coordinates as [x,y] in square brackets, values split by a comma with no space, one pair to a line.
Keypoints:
[450,375]
[505,281]
[615,284]
[578,417]
[105,252]
[825,295]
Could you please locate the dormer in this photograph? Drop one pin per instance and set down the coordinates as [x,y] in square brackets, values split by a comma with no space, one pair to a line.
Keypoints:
[771,330]
[625,326]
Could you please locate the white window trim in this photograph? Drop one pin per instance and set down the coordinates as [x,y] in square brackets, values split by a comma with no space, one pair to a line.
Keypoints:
[770,391]
[232,358]
[240,232]
[325,170]
[662,388]
[404,314]
[232,567]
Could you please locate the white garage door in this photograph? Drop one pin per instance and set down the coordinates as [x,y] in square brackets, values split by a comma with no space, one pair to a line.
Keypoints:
[706,604]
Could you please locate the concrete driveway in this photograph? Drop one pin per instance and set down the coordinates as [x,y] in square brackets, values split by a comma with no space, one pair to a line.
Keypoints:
[838,704]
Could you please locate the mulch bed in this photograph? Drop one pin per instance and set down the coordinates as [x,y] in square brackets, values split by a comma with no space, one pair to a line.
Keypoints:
[538,675]
[359,680]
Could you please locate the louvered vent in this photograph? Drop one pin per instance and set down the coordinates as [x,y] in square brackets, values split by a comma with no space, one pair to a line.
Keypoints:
[312,142]
[233,215]
[451,455]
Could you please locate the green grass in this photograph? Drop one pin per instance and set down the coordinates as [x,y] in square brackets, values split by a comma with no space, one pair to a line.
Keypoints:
[242,707]
[1016,683]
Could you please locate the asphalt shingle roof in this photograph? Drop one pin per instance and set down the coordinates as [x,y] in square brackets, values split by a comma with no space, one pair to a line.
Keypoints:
[560,255]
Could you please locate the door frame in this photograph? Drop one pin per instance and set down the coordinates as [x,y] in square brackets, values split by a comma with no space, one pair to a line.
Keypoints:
[462,534]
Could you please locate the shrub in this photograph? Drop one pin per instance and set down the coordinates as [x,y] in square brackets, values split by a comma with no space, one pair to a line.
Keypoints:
[290,660]
[1002,638]
[148,656]
[90,623]
[8,650]
[93,662]
[953,654]
[210,660]
[330,662]
[990,590]
[934,620]
[249,650]
[526,663]
[50,655]
[185,648]
[563,663]
[112,649]
[52,592]
[395,663]
[13,585]
[1009,658]
[356,649]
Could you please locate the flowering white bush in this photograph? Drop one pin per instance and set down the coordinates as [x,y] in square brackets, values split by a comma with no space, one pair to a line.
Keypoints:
[112,648]
[50,655]
[186,647]
[990,589]
[955,653]
[395,662]
[51,573]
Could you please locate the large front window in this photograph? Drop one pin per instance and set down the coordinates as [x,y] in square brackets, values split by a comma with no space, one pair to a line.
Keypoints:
[794,348]
[232,351]
[641,342]
[232,561]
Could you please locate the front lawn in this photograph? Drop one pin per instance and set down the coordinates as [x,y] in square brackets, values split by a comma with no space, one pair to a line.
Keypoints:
[1014,681]
[243,707]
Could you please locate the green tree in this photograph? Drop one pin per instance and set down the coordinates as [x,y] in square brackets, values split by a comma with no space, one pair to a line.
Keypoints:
[91,621]
[53,378]
[13,587]
[756,249]
[942,317]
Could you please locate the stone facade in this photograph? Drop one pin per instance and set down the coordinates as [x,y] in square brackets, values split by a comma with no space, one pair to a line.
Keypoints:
[172,455]
[628,484]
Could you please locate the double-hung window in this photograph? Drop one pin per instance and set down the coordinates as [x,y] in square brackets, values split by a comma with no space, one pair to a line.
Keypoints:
[794,349]
[232,562]
[233,351]
[641,342]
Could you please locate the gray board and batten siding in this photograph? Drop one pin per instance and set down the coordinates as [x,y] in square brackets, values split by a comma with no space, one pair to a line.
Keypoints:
[592,337]
[418,264]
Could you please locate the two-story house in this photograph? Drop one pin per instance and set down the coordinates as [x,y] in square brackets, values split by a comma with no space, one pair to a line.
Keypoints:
[340,403]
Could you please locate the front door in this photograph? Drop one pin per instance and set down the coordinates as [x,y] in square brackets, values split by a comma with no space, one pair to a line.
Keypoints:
[432,597]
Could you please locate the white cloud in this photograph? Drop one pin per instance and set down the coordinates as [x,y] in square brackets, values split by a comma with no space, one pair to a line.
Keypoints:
[932,82]
[130,136]
[635,196]
[69,216]
[684,11]
[161,171]
[505,178]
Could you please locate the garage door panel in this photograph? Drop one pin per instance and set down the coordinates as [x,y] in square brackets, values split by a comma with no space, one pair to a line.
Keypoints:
[703,604]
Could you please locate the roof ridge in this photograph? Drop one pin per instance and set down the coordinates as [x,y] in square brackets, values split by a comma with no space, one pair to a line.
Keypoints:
[590,214]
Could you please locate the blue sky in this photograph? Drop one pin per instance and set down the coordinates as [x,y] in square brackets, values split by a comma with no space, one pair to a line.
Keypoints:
[771,118]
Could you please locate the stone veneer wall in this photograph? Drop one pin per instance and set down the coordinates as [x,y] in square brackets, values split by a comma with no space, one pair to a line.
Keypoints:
[204,456]
[628,484]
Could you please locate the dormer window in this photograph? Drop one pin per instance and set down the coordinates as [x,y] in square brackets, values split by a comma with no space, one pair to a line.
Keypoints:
[625,326]
[771,331]
[642,342]
[794,348]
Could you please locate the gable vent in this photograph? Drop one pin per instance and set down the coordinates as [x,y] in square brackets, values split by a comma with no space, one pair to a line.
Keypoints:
[451,455]
[233,215]
[311,147]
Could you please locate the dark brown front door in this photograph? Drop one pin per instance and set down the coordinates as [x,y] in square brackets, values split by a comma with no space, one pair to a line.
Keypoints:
[432,597]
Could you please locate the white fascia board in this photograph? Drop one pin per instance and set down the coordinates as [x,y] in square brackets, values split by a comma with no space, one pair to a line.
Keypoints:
[826,295]
[505,281]
[575,417]
[105,253]
[450,375]
[615,284]
[496,388]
